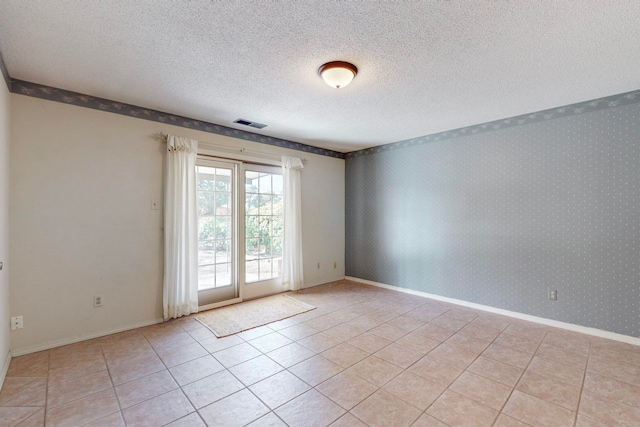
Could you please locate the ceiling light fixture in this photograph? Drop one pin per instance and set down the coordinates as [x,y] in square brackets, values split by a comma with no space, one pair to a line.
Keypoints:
[338,73]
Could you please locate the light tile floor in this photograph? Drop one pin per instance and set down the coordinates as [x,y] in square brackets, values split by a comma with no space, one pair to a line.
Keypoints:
[365,357]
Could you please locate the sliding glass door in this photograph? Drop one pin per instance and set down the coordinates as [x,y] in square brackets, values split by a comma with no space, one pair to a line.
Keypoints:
[239,231]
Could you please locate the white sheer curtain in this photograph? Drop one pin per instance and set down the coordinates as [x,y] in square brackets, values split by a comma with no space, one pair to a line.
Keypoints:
[180,288]
[292,246]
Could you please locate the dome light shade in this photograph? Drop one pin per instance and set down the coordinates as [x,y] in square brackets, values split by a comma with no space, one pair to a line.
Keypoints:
[338,73]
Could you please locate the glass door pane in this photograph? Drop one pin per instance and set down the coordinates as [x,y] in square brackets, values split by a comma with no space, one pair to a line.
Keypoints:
[263,229]
[216,231]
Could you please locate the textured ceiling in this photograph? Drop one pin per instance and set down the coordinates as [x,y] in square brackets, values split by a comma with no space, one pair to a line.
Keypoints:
[424,66]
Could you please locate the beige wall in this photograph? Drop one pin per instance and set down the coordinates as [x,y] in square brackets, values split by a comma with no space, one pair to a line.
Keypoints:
[4,227]
[82,184]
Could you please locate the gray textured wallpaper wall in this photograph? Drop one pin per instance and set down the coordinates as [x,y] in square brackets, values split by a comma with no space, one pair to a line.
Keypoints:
[498,217]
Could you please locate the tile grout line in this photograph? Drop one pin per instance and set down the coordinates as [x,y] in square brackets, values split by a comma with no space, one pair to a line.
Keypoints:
[113,386]
[463,371]
[46,394]
[584,376]
[520,378]
[597,395]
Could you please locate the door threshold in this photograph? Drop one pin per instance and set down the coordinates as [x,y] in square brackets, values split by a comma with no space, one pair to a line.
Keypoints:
[219,304]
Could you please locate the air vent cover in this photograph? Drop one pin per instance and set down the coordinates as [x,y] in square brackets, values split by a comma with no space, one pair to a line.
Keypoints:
[250,123]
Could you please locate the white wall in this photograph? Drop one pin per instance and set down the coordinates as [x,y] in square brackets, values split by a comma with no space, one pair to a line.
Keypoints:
[4,227]
[82,183]
[323,225]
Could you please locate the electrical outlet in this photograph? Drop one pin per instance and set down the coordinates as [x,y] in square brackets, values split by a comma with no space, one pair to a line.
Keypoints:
[97,301]
[17,323]
[553,294]
[154,205]
[335,264]
[318,265]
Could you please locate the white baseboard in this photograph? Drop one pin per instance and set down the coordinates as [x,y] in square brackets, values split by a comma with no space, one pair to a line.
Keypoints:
[84,337]
[5,369]
[549,322]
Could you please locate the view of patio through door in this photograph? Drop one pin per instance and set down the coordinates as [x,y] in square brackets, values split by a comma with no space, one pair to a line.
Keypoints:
[239,244]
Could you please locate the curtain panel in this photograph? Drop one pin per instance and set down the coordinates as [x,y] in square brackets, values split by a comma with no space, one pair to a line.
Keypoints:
[292,268]
[180,286]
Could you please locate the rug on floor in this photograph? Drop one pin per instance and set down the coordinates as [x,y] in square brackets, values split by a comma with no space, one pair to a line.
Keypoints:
[229,320]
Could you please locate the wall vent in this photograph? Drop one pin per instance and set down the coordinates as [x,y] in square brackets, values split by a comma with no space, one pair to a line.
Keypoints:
[250,123]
